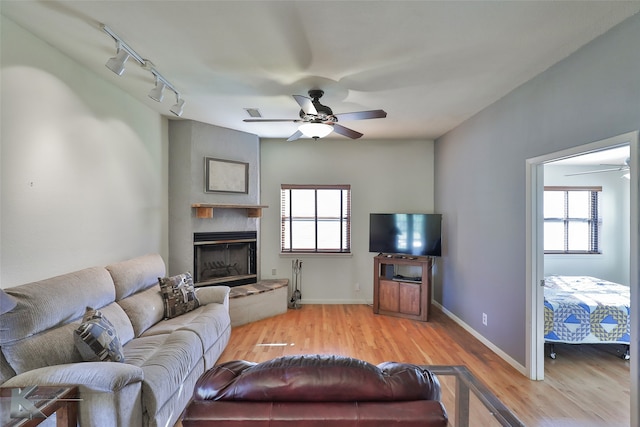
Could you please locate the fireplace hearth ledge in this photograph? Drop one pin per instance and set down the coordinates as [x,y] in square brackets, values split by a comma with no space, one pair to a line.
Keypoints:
[253,302]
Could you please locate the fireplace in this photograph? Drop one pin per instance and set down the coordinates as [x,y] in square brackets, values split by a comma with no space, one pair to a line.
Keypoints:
[224,258]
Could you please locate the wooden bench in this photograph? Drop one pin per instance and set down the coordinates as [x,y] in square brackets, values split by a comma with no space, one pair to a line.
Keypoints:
[266,298]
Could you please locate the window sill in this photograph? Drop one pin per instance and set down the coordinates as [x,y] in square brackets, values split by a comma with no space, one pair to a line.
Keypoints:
[315,254]
[571,255]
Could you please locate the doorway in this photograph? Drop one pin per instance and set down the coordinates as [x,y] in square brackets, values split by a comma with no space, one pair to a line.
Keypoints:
[535,255]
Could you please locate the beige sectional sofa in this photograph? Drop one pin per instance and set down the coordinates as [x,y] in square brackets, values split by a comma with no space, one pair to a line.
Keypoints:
[162,358]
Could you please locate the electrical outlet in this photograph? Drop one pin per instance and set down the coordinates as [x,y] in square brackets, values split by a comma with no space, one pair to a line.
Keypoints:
[484,319]
[274,272]
[358,287]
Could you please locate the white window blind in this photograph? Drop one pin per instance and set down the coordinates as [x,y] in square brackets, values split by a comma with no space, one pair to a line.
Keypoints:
[315,218]
[572,220]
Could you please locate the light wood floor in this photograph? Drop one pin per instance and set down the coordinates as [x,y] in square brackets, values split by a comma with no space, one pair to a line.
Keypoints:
[585,386]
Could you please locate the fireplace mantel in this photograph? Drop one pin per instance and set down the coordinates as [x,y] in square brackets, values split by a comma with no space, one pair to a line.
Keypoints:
[205,210]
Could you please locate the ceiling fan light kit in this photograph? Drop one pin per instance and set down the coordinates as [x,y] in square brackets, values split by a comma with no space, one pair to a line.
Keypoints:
[315,130]
[117,65]
[318,120]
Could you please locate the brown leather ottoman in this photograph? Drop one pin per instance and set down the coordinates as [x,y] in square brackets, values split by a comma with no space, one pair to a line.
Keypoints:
[315,390]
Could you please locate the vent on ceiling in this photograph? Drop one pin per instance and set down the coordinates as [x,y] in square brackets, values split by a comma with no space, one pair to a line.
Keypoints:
[253,112]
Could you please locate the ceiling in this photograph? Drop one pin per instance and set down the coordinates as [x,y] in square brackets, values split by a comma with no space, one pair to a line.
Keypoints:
[607,158]
[429,64]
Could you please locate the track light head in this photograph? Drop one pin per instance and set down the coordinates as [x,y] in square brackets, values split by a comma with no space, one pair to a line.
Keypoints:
[178,106]
[116,64]
[157,93]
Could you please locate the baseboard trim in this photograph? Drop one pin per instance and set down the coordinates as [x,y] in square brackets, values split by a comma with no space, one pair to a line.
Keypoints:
[334,301]
[511,361]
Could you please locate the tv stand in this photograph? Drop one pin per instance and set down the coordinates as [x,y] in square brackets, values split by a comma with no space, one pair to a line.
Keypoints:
[408,297]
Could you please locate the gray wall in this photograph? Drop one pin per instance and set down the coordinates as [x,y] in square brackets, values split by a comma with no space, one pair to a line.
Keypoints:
[385,176]
[480,175]
[189,143]
[83,170]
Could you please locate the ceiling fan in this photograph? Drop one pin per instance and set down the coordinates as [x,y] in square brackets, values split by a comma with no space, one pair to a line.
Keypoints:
[614,168]
[319,121]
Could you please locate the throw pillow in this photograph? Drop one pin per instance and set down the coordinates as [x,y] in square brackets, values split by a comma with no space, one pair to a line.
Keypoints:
[178,294]
[96,338]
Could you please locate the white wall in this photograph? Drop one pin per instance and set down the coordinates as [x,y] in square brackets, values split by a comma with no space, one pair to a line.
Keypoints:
[481,175]
[385,176]
[84,177]
[613,263]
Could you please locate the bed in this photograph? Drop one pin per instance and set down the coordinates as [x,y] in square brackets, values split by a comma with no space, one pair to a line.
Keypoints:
[586,310]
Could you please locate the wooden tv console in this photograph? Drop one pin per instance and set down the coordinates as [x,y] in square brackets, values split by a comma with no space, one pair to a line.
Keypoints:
[401,296]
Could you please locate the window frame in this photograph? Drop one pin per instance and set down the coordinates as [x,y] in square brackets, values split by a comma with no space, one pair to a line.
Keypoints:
[594,220]
[286,219]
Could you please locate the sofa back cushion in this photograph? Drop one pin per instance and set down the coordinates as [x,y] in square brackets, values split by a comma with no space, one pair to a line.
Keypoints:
[137,289]
[144,309]
[136,274]
[317,378]
[39,330]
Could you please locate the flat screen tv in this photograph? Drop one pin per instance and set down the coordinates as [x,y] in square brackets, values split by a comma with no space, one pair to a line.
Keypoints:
[405,234]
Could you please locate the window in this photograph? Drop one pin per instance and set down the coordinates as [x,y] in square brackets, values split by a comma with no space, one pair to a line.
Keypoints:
[572,220]
[315,218]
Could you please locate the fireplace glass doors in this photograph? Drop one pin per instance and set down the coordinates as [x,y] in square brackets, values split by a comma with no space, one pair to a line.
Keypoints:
[224,258]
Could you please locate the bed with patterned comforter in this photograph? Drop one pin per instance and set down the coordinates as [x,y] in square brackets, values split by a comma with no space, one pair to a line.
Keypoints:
[583,309]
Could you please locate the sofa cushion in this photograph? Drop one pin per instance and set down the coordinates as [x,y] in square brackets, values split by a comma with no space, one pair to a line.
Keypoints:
[53,347]
[178,294]
[56,346]
[166,360]
[137,274]
[51,302]
[144,309]
[120,321]
[317,378]
[97,339]
[208,322]
[38,332]
[213,294]
[97,376]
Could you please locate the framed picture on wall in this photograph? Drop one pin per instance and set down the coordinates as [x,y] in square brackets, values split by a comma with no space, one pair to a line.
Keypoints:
[225,176]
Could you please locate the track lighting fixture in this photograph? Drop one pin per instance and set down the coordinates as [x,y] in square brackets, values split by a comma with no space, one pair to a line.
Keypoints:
[157,93]
[117,65]
[178,106]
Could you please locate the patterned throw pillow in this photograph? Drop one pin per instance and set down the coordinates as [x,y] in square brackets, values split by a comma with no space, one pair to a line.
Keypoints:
[178,294]
[96,338]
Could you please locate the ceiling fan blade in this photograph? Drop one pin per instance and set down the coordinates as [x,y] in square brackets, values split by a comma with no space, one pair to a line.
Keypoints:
[362,115]
[305,104]
[295,136]
[271,120]
[597,171]
[349,133]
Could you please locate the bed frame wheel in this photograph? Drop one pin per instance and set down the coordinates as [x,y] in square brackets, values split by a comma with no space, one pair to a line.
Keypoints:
[552,353]
[627,354]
